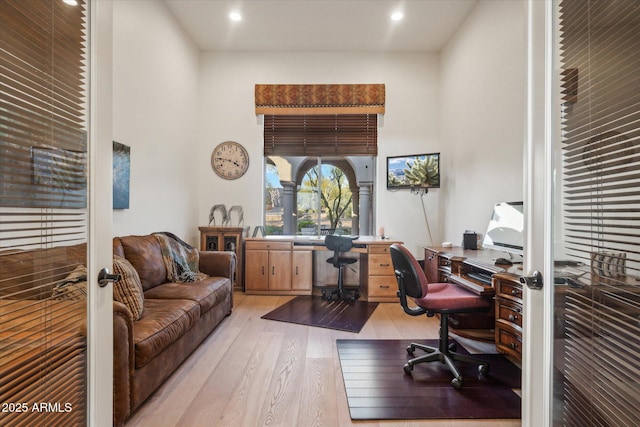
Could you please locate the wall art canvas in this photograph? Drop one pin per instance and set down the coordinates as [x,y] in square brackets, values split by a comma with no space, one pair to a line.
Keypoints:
[121,175]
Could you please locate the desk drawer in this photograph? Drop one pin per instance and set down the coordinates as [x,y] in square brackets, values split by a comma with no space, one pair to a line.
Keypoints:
[509,289]
[380,265]
[267,245]
[379,249]
[383,286]
[509,312]
[508,340]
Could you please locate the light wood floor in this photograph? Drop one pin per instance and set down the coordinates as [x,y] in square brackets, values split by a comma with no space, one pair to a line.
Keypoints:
[255,372]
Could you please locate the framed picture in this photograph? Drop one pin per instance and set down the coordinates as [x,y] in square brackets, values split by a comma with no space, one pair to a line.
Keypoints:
[421,170]
[121,175]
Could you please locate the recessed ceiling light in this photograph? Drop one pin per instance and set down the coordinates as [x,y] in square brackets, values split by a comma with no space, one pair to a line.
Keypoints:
[397,16]
[71,2]
[235,16]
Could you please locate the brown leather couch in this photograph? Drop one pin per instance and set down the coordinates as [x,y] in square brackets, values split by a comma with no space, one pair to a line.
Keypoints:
[176,318]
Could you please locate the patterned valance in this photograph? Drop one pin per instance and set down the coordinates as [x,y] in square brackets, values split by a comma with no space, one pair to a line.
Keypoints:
[320,99]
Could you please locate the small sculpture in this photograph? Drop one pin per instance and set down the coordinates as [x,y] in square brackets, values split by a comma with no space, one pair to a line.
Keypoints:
[240,212]
[223,211]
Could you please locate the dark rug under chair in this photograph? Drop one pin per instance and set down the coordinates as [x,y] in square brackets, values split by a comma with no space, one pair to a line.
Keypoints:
[343,315]
[378,389]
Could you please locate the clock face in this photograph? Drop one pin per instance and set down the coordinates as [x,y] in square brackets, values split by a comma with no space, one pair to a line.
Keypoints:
[230,160]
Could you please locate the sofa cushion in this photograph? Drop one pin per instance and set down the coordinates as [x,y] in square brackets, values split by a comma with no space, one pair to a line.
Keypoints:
[73,287]
[164,322]
[207,293]
[128,290]
[143,252]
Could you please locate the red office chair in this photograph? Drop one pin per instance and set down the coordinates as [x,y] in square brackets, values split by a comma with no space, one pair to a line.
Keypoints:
[432,298]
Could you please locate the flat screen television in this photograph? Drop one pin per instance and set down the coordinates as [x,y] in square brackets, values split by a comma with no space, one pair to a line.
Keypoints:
[506,228]
[419,170]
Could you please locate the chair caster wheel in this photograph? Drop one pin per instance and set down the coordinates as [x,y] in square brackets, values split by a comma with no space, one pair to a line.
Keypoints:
[453,346]
[411,349]
[483,369]
[408,368]
[457,383]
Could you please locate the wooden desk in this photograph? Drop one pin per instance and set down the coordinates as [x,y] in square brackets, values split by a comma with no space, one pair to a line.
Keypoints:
[503,323]
[295,265]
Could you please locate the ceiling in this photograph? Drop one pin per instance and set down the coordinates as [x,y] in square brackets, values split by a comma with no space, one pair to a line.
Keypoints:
[321,25]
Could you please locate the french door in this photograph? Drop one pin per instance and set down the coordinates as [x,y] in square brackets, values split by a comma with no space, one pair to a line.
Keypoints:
[55,214]
[583,148]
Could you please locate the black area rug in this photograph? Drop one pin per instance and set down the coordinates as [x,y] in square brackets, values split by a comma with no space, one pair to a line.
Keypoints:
[315,311]
[378,389]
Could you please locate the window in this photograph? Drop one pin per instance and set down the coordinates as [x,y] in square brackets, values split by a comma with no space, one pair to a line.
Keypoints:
[327,130]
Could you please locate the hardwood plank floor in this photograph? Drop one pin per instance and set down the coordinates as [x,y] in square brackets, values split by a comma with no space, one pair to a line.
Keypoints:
[256,372]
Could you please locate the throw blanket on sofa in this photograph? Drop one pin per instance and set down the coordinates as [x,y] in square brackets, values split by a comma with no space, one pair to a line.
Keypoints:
[180,258]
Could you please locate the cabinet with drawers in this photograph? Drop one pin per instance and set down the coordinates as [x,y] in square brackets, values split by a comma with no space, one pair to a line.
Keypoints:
[296,265]
[381,279]
[508,314]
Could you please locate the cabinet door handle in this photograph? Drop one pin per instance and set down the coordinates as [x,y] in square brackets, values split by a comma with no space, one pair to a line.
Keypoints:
[515,292]
[273,270]
[384,265]
[263,270]
[513,345]
[296,270]
[512,317]
[384,286]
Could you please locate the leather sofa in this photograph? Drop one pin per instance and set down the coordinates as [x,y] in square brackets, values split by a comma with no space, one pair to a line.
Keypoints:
[175,317]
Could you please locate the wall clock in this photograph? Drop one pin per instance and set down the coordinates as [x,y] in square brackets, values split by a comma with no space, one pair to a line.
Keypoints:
[230,160]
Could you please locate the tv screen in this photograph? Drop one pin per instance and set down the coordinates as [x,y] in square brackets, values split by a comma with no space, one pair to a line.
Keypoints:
[419,170]
[506,227]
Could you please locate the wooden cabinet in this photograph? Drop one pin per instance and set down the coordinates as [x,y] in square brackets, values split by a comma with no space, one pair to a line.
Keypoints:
[256,271]
[226,239]
[509,314]
[381,279]
[301,267]
[275,268]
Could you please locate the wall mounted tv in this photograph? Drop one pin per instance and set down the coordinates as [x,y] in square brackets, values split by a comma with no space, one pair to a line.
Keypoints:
[506,228]
[420,170]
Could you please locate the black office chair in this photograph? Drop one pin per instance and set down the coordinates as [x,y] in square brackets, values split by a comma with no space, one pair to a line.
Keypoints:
[432,298]
[339,244]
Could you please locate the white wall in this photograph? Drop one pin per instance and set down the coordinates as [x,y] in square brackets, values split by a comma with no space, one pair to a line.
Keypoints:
[155,92]
[483,84]
[410,124]
[173,105]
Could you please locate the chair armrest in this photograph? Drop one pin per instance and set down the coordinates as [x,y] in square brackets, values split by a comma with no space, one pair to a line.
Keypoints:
[218,264]
[123,362]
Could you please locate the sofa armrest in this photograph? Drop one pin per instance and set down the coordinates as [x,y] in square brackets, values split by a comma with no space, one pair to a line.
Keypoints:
[218,264]
[123,362]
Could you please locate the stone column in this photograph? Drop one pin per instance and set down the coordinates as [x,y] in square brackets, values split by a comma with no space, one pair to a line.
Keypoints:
[289,214]
[365,201]
[355,206]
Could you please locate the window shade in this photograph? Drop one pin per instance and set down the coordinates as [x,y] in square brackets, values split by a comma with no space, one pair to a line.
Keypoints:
[43,186]
[321,135]
[600,50]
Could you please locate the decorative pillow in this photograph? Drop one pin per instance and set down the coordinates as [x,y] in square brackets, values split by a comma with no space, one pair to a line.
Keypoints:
[73,287]
[128,290]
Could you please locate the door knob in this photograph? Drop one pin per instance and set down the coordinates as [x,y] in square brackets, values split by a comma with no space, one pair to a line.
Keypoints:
[104,277]
[534,281]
